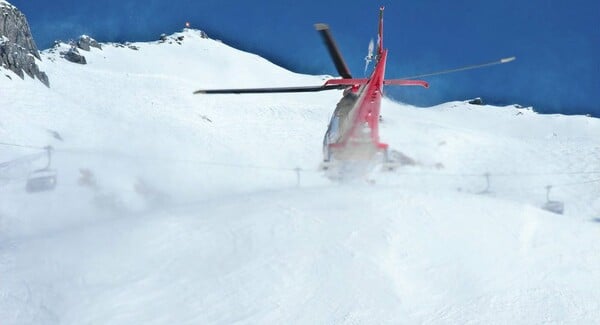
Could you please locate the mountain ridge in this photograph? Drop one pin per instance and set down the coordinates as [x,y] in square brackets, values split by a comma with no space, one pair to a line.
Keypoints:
[18,52]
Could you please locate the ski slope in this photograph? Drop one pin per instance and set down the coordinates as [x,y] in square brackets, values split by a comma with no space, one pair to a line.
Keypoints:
[190,212]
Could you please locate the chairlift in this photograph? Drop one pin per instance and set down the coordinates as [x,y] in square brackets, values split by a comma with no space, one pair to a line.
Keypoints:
[487,185]
[42,179]
[557,207]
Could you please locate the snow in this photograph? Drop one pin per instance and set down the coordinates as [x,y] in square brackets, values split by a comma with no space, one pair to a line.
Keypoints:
[192,214]
[6,3]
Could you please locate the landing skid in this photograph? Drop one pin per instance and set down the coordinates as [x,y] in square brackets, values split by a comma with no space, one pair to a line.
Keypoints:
[332,170]
[347,171]
[390,166]
[327,165]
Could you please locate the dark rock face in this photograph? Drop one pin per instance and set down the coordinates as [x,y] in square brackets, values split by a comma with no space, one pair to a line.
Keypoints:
[85,42]
[476,101]
[179,39]
[73,55]
[18,51]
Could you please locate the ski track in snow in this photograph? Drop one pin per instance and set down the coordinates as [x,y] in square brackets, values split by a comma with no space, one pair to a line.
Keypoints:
[193,215]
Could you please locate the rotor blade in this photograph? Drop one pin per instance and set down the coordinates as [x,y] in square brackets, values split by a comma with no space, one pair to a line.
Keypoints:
[334,52]
[305,89]
[403,82]
[476,66]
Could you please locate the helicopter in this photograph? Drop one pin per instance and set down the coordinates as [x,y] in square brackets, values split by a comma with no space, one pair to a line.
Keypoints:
[351,142]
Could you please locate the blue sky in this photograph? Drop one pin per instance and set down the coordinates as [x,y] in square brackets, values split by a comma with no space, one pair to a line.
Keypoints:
[557,43]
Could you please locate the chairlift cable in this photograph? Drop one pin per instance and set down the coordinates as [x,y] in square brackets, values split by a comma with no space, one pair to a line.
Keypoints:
[224,164]
[21,145]
[577,183]
[166,160]
[503,174]
[559,185]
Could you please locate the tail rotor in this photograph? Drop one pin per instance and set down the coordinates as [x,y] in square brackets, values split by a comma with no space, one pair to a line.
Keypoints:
[369,58]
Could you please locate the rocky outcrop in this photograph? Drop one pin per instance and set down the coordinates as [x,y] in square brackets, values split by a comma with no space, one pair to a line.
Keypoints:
[73,55]
[476,101]
[179,38]
[18,51]
[85,42]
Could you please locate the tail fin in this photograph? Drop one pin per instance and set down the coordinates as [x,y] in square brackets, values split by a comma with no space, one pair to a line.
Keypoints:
[380,35]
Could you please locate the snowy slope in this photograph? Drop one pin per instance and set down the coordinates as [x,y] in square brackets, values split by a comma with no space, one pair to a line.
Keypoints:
[195,216]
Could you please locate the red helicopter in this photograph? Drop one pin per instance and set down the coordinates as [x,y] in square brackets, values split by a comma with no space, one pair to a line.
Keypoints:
[352,137]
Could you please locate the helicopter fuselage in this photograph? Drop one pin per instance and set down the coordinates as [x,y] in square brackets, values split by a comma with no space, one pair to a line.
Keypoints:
[353,131]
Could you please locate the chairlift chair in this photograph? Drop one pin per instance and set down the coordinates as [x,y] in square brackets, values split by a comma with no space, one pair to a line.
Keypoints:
[557,207]
[42,179]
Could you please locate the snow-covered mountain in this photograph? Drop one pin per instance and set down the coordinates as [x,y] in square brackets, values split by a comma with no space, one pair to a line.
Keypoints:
[173,208]
[18,51]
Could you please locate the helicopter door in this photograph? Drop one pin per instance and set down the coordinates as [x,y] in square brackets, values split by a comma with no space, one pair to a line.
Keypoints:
[331,136]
